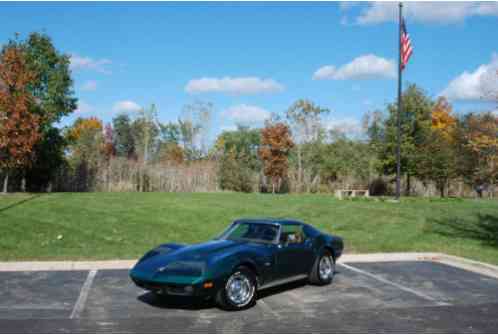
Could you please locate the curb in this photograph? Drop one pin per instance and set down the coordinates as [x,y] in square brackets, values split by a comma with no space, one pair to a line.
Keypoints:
[459,262]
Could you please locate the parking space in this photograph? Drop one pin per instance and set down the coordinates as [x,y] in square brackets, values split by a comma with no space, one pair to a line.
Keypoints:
[41,294]
[381,296]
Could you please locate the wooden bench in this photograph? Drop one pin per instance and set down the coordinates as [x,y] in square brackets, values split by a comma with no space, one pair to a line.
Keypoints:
[351,193]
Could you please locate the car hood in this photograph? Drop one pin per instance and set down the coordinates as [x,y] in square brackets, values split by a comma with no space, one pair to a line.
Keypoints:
[195,252]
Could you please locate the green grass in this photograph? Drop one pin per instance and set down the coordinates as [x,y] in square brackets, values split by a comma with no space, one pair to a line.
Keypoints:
[125,225]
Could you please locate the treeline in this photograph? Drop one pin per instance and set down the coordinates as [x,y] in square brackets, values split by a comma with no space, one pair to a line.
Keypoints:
[442,152]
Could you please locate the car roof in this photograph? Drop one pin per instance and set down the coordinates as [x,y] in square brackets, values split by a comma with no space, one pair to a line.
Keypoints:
[281,221]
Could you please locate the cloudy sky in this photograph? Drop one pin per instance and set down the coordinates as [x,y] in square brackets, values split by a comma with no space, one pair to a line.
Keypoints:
[254,59]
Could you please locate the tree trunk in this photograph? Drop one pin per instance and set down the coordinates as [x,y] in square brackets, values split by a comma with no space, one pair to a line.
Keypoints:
[441,190]
[5,182]
[23,184]
[299,169]
[408,185]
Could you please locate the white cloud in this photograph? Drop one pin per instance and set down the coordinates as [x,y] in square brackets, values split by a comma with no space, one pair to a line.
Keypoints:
[477,85]
[240,85]
[126,106]
[228,128]
[246,114]
[98,65]
[89,85]
[84,108]
[362,67]
[347,126]
[426,12]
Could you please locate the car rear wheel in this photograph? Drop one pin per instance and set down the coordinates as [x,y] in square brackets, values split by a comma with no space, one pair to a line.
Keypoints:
[239,290]
[323,270]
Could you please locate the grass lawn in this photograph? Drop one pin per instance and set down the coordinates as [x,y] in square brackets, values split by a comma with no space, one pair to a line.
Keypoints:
[76,226]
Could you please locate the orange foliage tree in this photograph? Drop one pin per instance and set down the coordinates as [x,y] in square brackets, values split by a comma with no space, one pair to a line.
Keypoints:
[19,128]
[436,154]
[86,139]
[276,143]
[482,140]
[443,120]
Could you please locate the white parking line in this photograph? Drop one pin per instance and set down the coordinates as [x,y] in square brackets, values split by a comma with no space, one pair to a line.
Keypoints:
[85,289]
[401,287]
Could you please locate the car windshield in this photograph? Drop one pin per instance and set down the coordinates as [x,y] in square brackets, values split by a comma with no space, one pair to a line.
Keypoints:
[251,231]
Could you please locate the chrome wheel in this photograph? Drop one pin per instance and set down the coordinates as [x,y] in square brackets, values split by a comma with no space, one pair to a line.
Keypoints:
[326,268]
[239,289]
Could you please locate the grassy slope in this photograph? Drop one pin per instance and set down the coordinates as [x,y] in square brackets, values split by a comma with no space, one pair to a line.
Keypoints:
[125,225]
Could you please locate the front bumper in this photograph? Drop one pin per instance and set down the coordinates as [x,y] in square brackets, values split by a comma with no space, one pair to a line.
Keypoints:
[178,288]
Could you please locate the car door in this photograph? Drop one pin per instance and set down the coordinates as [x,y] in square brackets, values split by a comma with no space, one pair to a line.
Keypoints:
[293,255]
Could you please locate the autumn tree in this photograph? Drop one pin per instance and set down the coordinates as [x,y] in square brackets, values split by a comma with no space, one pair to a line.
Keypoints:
[86,150]
[54,95]
[276,143]
[108,149]
[169,147]
[436,154]
[19,127]
[477,139]
[305,118]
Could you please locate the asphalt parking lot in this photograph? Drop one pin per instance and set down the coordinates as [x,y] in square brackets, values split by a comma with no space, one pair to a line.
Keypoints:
[402,296]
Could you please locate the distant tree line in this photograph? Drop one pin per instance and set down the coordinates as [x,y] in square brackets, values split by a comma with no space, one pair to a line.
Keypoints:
[442,152]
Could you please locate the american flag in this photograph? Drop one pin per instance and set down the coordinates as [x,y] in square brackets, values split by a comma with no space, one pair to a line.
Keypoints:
[406,45]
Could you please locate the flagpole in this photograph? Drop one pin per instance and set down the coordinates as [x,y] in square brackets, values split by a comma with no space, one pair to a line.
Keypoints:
[398,144]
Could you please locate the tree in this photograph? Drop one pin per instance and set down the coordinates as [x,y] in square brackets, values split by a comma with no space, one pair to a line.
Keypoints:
[109,149]
[477,142]
[276,142]
[170,132]
[305,119]
[124,142]
[234,173]
[19,127]
[237,152]
[343,157]
[53,92]
[145,133]
[194,128]
[169,148]
[53,89]
[436,155]
[86,150]
[416,122]
[244,141]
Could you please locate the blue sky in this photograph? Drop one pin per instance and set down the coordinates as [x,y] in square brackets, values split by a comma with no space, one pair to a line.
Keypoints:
[250,59]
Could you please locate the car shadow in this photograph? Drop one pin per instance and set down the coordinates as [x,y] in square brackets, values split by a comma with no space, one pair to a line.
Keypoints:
[196,303]
[175,302]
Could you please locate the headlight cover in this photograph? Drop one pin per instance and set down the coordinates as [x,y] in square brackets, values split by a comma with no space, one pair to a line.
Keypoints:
[184,268]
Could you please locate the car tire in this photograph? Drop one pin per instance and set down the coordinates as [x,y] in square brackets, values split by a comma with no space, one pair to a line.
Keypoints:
[323,270]
[238,291]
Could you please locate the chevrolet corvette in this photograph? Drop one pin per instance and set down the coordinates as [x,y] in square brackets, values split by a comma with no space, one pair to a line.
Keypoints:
[250,255]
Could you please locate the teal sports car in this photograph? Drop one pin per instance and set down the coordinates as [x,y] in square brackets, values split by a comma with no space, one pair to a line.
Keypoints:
[250,255]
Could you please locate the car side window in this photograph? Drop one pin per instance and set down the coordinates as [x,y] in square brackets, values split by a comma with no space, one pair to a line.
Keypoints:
[292,234]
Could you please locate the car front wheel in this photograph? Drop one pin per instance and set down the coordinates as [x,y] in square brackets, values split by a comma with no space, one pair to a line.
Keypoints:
[239,290]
